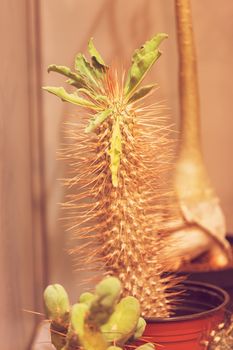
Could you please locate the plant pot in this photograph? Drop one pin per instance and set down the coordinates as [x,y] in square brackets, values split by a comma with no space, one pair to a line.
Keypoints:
[222,278]
[200,310]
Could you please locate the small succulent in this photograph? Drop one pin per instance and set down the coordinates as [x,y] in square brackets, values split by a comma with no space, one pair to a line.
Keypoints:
[99,321]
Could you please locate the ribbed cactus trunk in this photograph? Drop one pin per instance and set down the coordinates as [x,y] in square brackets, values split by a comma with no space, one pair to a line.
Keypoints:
[117,195]
[124,221]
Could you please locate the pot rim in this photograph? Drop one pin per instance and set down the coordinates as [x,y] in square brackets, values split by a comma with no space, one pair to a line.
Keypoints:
[194,316]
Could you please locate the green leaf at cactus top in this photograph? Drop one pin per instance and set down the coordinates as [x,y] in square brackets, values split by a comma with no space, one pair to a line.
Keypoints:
[97,60]
[85,69]
[92,95]
[75,79]
[142,61]
[115,152]
[97,120]
[88,79]
[72,98]
[142,92]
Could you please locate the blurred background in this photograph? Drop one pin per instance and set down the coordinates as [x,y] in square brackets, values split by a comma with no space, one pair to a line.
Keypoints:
[36,33]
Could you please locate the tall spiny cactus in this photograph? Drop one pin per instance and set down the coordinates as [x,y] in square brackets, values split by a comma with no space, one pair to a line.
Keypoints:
[117,166]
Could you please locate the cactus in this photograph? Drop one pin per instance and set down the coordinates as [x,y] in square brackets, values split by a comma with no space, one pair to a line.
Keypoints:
[58,308]
[88,334]
[98,322]
[222,337]
[123,322]
[117,166]
[57,303]
[140,328]
[107,294]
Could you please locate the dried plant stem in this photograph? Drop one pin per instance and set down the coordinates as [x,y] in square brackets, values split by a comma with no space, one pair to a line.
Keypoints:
[197,198]
[188,79]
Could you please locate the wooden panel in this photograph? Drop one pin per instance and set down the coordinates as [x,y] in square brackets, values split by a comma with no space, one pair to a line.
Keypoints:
[21,213]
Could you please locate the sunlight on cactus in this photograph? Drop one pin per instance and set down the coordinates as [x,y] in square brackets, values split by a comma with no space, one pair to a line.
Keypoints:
[118,156]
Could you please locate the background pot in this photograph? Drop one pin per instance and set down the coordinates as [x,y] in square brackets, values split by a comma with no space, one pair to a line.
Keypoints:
[222,278]
[202,307]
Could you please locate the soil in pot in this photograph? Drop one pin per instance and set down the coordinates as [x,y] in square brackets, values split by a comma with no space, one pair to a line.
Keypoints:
[201,309]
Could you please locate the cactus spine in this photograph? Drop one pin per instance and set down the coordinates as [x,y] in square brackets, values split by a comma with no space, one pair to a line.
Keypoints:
[117,166]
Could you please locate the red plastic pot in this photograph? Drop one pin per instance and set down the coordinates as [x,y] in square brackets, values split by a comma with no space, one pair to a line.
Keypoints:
[200,311]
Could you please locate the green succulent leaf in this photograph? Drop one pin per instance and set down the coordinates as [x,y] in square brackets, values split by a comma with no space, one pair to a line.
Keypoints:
[107,294]
[74,80]
[140,328]
[98,120]
[96,58]
[142,61]
[115,152]
[142,92]
[108,290]
[123,321]
[94,96]
[78,316]
[72,98]
[85,69]
[86,298]
[56,302]
[89,335]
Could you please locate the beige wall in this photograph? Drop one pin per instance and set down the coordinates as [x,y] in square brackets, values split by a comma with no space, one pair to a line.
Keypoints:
[21,213]
[118,27]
